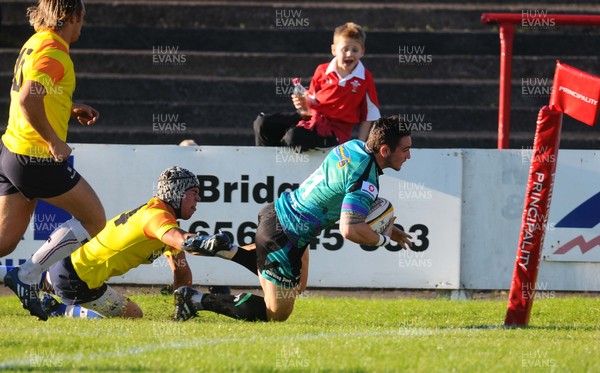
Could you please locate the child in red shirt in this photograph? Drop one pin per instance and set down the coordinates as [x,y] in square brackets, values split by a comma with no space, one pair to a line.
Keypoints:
[341,94]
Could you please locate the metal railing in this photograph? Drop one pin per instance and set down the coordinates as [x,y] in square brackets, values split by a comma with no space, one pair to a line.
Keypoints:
[507,22]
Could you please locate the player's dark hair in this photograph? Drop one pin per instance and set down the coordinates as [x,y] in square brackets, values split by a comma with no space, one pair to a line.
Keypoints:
[53,14]
[387,131]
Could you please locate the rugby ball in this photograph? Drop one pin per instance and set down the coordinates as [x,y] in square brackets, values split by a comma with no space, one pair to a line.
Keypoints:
[380,215]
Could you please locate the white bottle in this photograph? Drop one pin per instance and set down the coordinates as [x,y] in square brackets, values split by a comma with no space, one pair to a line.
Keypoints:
[300,91]
[298,87]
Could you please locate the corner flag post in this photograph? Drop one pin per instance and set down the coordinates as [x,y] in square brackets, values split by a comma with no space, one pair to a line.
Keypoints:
[576,94]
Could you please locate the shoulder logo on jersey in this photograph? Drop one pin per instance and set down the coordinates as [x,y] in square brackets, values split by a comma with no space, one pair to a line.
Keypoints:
[370,189]
[340,153]
[355,84]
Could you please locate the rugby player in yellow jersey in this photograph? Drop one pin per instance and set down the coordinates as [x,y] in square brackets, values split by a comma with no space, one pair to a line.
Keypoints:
[33,152]
[135,237]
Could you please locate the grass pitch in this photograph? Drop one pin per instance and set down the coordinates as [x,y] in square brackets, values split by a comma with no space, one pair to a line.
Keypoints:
[323,334]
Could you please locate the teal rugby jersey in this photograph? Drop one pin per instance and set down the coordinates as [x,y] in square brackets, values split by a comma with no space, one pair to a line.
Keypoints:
[346,181]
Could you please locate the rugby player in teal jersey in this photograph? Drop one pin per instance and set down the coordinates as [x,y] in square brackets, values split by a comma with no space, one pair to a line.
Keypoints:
[342,189]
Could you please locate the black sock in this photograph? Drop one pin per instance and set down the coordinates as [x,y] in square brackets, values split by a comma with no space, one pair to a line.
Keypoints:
[247,258]
[244,306]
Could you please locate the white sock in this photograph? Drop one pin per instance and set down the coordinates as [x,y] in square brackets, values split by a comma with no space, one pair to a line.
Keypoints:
[68,237]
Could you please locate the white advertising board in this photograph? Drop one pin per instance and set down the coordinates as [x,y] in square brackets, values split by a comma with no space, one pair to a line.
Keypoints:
[494,183]
[573,232]
[238,181]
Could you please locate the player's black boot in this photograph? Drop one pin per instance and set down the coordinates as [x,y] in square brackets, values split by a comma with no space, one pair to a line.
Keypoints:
[184,306]
[50,305]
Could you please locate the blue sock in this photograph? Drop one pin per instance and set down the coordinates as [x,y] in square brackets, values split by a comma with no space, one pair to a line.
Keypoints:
[55,308]
[76,311]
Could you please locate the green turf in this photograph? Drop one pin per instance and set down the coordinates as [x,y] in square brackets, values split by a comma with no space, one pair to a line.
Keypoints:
[323,334]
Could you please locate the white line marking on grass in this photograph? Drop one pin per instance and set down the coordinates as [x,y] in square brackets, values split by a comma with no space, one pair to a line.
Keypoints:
[20,363]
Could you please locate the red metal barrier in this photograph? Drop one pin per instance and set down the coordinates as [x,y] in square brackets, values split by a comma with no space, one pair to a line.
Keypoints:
[507,22]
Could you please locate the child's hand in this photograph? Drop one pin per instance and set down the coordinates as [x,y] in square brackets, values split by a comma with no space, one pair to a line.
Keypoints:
[301,104]
[299,101]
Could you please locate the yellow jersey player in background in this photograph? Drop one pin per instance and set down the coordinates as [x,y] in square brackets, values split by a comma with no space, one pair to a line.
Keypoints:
[33,152]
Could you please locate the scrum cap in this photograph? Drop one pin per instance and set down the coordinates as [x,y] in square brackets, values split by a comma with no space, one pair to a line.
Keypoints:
[173,183]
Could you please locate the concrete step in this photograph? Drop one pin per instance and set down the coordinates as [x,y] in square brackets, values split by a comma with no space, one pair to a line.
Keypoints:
[210,90]
[239,57]
[219,136]
[173,117]
[216,91]
[140,135]
[445,106]
[292,42]
[278,66]
[433,127]
[315,15]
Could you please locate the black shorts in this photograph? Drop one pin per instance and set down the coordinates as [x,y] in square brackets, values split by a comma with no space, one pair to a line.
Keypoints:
[278,260]
[34,177]
[69,287]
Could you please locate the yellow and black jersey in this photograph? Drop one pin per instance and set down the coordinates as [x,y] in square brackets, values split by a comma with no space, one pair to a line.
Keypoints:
[45,59]
[128,240]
